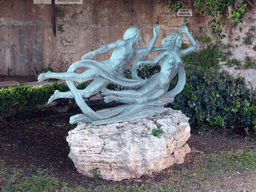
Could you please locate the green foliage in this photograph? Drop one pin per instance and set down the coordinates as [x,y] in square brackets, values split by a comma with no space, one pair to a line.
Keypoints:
[24,101]
[45,70]
[143,71]
[96,173]
[59,12]
[23,97]
[216,29]
[111,86]
[250,109]
[204,37]
[215,8]
[238,13]
[203,59]
[36,182]
[248,40]
[60,28]
[157,132]
[249,62]
[82,85]
[176,5]
[225,53]
[146,72]
[216,98]
[234,63]
[240,159]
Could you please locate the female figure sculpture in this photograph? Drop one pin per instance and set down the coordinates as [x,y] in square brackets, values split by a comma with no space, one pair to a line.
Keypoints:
[157,86]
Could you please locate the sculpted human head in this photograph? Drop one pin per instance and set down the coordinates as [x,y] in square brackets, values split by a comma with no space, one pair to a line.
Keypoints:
[172,40]
[132,33]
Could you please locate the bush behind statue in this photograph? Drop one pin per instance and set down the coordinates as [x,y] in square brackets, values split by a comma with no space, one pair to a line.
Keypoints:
[216,98]
[23,101]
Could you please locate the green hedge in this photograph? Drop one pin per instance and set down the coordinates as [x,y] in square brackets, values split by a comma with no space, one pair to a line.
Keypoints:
[24,101]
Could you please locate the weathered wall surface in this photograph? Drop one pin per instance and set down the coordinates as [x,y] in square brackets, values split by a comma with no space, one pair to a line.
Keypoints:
[242,39]
[27,42]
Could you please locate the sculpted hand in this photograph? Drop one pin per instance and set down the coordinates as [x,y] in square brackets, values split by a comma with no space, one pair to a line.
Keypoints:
[156,31]
[88,56]
[184,28]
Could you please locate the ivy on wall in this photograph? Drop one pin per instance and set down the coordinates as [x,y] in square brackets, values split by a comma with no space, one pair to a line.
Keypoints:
[215,9]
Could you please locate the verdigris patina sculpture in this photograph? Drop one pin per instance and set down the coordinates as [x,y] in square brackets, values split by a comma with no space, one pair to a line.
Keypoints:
[152,95]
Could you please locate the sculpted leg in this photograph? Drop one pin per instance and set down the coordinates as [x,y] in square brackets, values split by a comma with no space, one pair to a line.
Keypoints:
[129,100]
[57,94]
[94,87]
[69,76]
[126,93]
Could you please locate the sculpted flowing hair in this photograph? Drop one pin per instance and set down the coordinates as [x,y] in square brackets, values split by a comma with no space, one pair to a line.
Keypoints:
[131,33]
[170,39]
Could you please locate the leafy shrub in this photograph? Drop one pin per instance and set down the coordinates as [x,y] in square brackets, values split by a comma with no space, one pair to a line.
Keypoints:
[216,98]
[24,101]
[143,71]
[111,86]
[44,70]
[203,59]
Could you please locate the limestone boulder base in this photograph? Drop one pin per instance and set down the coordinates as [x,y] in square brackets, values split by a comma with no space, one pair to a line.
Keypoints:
[128,149]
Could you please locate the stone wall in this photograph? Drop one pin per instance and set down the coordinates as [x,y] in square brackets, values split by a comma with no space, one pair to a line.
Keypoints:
[27,42]
[242,39]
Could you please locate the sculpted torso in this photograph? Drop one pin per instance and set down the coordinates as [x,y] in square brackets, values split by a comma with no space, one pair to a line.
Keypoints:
[120,58]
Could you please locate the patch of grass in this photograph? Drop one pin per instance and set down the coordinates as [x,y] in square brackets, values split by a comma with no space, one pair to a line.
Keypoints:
[211,169]
[206,169]
[18,180]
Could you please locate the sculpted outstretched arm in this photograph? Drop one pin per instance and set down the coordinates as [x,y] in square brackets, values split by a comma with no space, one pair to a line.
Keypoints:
[150,46]
[154,61]
[104,49]
[158,49]
[191,40]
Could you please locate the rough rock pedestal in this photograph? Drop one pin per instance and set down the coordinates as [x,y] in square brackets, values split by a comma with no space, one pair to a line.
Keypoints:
[128,149]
